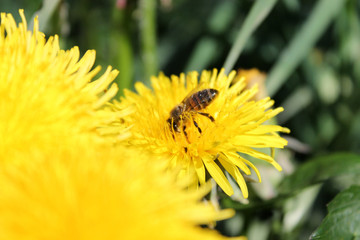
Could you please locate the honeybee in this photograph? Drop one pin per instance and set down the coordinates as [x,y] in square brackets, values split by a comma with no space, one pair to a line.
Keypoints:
[192,105]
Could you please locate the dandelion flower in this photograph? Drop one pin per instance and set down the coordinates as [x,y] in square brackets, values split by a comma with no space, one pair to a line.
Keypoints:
[232,123]
[46,93]
[100,193]
[72,185]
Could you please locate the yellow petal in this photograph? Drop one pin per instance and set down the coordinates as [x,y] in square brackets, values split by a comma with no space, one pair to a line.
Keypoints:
[234,171]
[236,160]
[200,170]
[218,175]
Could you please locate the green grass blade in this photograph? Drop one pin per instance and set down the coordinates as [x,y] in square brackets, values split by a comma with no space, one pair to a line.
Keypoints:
[124,61]
[258,13]
[204,51]
[122,53]
[298,100]
[324,12]
[148,37]
[45,13]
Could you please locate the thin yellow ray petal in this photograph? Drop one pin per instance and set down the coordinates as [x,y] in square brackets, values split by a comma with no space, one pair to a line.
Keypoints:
[234,171]
[245,96]
[249,116]
[200,170]
[142,89]
[235,89]
[22,15]
[213,75]
[260,141]
[228,79]
[253,167]
[218,175]
[273,112]
[266,103]
[105,80]
[111,92]
[204,78]
[262,129]
[191,81]
[182,79]
[235,159]
[83,66]
[260,155]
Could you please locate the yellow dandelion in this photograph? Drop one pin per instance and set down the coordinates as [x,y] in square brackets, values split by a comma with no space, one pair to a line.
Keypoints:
[208,135]
[97,192]
[69,184]
[46,94]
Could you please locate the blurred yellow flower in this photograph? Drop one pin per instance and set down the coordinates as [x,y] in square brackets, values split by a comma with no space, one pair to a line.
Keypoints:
[46,94]
[70,184]
[254,77]
[100,193]
[212,146]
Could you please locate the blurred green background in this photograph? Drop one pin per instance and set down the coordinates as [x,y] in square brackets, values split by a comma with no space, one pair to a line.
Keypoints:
[310,51]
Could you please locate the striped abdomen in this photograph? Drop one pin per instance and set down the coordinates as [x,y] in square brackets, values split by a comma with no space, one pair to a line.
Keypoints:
[200,99]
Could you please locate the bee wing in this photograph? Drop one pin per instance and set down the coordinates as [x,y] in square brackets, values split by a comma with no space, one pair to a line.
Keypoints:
[198,88]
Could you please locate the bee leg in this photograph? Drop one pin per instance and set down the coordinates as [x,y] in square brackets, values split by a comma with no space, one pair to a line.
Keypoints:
[197,126]
[172,133]
[185,133]
[207,115]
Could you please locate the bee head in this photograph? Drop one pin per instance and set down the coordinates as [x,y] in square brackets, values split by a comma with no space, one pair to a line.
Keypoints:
[213,93]
[173,124]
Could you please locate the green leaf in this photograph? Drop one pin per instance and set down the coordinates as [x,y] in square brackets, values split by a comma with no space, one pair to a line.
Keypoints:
[343,220]
[320,169]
